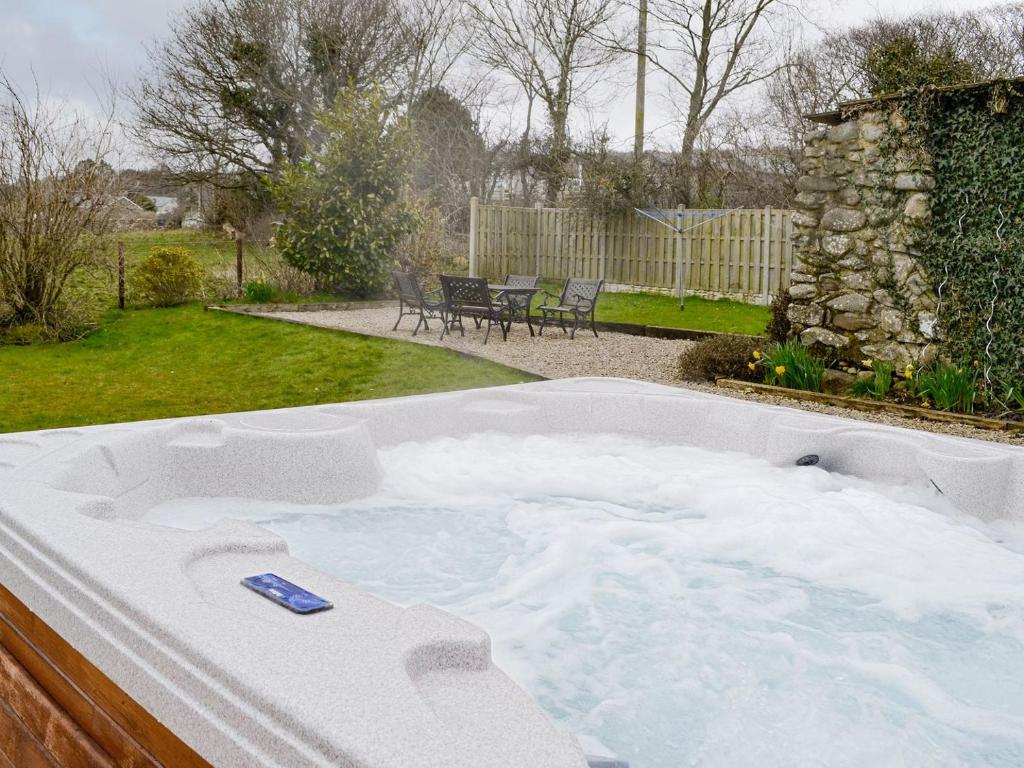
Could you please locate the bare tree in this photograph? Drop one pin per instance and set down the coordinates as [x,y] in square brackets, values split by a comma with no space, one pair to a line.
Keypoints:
[550,48]
[55,194]
[1008,20]
[739,163]
[436,39]
[710,50]
[234,92]
[814,80]
[936,48]
[454,160]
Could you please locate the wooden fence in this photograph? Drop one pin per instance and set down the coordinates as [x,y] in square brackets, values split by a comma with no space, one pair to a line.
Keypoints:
[744,254]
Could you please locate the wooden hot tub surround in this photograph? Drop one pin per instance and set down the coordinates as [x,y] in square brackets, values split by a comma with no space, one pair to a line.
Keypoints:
[58,709]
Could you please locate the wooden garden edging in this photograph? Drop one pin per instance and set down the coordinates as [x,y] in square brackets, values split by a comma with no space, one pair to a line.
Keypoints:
[325,306]
[667,332]
[876,406]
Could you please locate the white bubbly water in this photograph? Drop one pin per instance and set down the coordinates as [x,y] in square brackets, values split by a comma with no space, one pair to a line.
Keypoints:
[675,606]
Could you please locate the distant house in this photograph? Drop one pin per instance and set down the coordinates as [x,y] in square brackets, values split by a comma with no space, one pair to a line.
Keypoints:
[193,219]
[508,184]
[127,215]
[165,204]
[167,210]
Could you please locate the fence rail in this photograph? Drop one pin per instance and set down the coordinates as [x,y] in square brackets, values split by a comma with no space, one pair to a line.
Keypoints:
[745,254]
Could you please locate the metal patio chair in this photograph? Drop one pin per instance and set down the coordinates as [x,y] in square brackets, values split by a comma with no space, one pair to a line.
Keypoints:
[470,297]
[578,300]
[413,300]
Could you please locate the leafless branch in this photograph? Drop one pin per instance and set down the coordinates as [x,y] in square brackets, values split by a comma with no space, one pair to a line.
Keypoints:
[56,187]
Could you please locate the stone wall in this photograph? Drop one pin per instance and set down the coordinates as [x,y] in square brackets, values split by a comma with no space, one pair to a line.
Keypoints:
[862,204]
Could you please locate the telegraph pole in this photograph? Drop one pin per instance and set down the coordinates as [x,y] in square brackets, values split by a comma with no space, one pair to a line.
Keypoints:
[641,82]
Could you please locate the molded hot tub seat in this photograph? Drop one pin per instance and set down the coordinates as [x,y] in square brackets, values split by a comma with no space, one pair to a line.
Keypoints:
[245,682]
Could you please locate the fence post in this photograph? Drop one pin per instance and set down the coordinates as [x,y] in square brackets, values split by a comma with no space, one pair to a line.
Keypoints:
[120,274]
[766,254]
[474,224]
[680,261]
[540,218]
[238,261]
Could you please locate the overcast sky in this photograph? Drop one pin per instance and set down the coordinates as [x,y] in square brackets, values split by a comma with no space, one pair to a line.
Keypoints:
[73,46]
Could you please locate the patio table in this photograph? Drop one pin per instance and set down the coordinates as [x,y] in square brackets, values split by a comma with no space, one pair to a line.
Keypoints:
[517,311]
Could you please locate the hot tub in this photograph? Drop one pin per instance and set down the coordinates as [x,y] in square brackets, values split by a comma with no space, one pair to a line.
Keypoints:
[129,541]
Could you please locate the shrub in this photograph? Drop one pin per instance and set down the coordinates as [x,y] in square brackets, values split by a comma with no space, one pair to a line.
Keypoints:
[430,250]
[791,365]
[880,383]
[290,281]
[77,315]
[615,184]
[169,276]
[344,208]
[948,387]
[258,291]
[247,209]
[24,334]
[779,327]
[220,283]
[719,356]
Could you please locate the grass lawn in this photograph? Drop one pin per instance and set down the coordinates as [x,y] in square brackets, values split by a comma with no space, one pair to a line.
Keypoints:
[700,314]
[211,249]
[156,363]
[721,315]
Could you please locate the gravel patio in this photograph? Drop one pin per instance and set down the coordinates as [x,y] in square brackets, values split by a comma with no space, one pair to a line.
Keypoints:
[554,355]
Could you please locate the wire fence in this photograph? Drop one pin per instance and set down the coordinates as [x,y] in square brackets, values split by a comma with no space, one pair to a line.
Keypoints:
[228,263]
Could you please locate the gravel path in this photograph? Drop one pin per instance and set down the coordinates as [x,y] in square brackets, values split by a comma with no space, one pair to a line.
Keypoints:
[613,354]
[552,355]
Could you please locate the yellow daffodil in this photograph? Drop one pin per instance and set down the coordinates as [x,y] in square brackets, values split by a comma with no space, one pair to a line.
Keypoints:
[757,355]
[751,366]
[926,404]
[867,363]
[780,370]
[909,373]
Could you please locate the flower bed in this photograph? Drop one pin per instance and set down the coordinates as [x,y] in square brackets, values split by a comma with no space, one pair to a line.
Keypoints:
[864,404]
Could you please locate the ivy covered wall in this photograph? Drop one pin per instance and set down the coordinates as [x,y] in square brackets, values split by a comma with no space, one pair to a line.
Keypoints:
[974,248]
[911,231]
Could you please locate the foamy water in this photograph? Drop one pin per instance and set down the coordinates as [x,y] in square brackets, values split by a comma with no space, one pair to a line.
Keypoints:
[675,606]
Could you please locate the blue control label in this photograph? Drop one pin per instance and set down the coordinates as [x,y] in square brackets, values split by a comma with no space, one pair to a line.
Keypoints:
[283,592]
